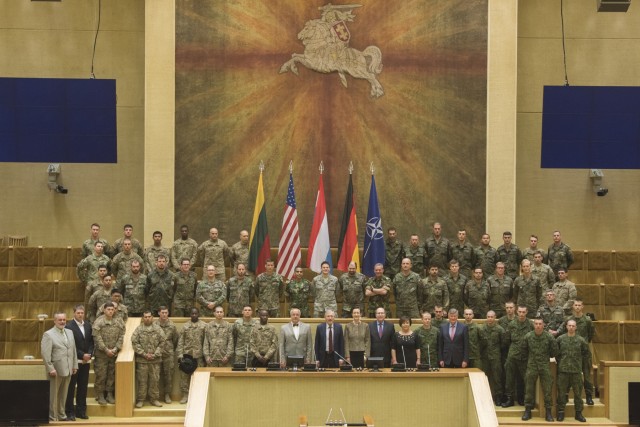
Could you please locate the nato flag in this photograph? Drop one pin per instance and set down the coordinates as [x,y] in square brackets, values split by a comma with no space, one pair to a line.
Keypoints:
[374,238]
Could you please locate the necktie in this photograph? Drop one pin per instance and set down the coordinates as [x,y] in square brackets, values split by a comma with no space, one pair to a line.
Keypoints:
[330,339]
[380,329]
[452,332]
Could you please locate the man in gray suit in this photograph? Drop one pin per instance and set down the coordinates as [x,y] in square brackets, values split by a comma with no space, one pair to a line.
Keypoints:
[295,339]
[58,350]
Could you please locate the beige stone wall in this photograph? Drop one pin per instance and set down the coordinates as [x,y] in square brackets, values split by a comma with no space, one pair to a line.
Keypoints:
[43,39]
[602,49]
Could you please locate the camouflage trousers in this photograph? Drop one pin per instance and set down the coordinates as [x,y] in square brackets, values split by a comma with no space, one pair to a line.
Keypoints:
[320,307]
[586,371]
[493,369]
[185,379]
[566,381]
[148,378]
[304,309]
[475,363]
[218,364]
[181,312]
[515,372]
[105,374]
[166,373]
[409,311]
[532,375]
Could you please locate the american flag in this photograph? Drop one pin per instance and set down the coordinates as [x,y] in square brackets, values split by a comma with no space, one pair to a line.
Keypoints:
[289,247]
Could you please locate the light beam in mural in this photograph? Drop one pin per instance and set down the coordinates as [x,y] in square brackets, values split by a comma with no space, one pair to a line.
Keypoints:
[326,49]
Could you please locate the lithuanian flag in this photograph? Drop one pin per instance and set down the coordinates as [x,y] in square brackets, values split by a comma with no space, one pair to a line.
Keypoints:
[259,245]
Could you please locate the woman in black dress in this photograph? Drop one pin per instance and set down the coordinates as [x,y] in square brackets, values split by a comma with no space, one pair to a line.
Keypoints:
[405,339]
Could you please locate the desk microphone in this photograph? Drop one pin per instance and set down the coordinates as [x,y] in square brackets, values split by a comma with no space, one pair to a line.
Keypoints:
[349,366]
[404,357]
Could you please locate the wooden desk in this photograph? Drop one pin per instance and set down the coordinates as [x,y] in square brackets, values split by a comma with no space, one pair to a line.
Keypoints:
[390,398]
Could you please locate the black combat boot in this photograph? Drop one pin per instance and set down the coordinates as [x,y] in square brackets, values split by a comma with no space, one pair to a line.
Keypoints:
[527,414]
[560,416]
[548,417]
[589,399]
[579,417]
[508,402]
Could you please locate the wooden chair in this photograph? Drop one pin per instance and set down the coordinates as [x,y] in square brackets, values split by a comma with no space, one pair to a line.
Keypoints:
[617,302]
[17,240]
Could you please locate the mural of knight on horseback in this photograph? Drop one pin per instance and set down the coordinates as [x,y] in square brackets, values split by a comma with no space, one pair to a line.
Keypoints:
[326,42]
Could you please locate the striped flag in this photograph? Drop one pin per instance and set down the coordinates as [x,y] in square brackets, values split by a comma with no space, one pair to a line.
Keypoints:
[348,243]
[319,249]
[289,247]
[259,245]
[374,249]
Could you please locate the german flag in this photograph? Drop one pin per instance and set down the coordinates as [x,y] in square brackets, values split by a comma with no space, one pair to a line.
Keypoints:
[348,243]
[259,245]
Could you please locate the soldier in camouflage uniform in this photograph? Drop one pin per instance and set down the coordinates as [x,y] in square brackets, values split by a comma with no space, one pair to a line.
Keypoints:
[417,254]
[351,285]
[428,341]
[559,254]
[394,254]
[239,291]
[491,336]
[168,351]
[464,253]
[99,298]
[439,318]
[133,287]
[527,290]
[191,342]
[476,294]
[108,336]
[95,284]
[543,273]
[432,292]
[486,256]
[551,314]
[121,263]
[405,289]
[516,364]
[510,255]
[159,288]
[269,289]
[324,290]
[239,252]
[184,285]
[135,243]
[147,342]
[438,250]
[122,311]
[218,341]
[584,328]
[573,352]
[213,252]
[263,343]
[530,252]
[210,292]
[87,269]
[510,314]
[151,253]
[184,247]
[500,290]
[242,330]
[475,360]
[565,291]
[538,346]
[89,244]
[455,284]
[378,289]
[297,292]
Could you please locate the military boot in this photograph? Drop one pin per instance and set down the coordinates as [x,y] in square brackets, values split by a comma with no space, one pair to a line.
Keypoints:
[589,399]
[560,416]
[527,414]
[110,398]
[184,399]
[167,398]
[579,417]
[101,400]
[548,417]
[508,402]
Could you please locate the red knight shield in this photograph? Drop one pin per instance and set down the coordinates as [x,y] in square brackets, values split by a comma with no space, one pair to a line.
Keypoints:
[341,30]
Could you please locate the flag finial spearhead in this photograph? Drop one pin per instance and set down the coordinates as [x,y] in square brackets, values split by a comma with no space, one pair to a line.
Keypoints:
[291,166]
[351,168]
[321,167]
[261,166]
[373,169]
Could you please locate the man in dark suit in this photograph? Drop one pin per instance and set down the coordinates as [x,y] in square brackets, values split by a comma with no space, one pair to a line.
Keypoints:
[381,332]
[329,342]
[83,336]
[453,348]
[59,355]
[295,339]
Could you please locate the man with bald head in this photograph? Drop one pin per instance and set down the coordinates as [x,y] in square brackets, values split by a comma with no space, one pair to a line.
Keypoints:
[213,252]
